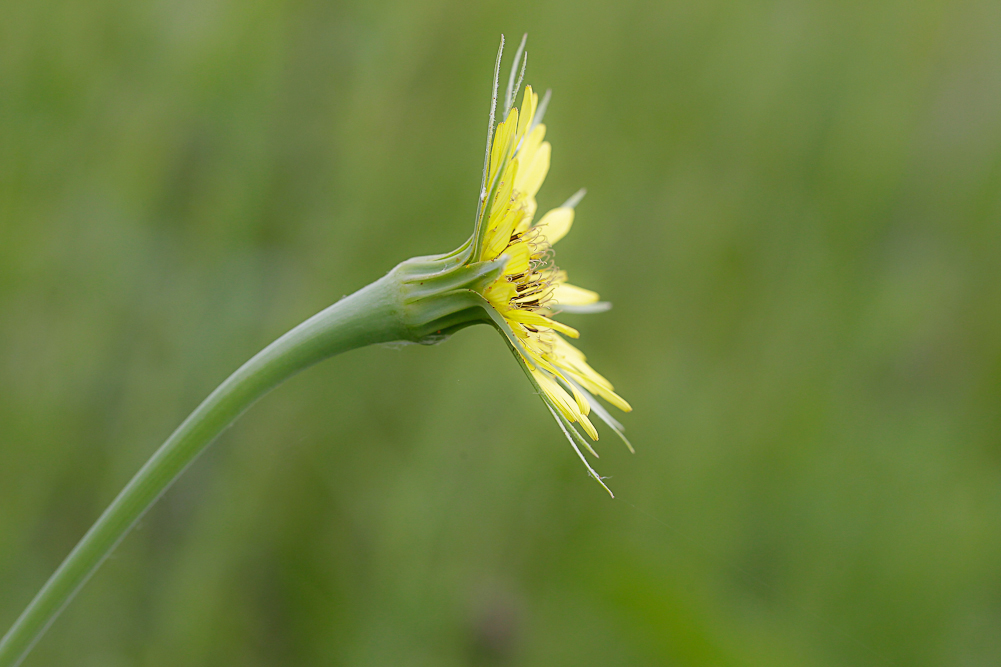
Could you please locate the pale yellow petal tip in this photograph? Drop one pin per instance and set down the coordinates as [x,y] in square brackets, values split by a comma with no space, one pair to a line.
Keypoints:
[617,401]
[571,295]
[564,329]
[529,101]
[555,224]
[590,430]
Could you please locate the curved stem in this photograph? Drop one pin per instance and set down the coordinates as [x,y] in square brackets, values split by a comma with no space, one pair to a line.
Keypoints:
[368,316]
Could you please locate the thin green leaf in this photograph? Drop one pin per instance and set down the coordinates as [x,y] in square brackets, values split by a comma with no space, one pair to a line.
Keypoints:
[590,470]
[490,138]
[512,89]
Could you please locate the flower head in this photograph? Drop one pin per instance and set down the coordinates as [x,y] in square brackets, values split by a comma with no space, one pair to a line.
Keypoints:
[532,289]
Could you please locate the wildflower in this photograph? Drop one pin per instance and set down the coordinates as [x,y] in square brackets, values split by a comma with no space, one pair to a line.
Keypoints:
[532,289]
[504,274]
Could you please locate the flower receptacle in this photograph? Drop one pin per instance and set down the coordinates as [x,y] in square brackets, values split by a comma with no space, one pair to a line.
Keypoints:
[438,295]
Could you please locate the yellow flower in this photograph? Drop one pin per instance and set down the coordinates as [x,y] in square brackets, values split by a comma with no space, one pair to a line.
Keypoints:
[532,289]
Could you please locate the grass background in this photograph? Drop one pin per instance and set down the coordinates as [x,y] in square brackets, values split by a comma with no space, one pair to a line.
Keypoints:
[794,206]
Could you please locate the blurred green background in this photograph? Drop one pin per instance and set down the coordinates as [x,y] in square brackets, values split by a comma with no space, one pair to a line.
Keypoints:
[794,206]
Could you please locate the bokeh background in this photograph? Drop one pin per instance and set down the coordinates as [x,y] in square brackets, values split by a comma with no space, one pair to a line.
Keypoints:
[794,206]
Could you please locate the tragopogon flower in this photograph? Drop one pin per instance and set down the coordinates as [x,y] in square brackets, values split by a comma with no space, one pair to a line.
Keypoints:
[532,289]
[505,274]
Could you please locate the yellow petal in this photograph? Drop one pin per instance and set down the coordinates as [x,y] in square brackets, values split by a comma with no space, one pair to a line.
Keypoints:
[559,397]
[528,103]
[502,142]
[519,254]
[535,171]
[502,197]
[536,320]
[530,146]
[565,349]
[582,404]
[601,388]
[555,224]
[498,237]
[589,429]
[584,369]
[571,295]
[499,294]
[612,398]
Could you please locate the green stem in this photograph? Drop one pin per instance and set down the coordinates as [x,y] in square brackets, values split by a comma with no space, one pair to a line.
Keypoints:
[370,315]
